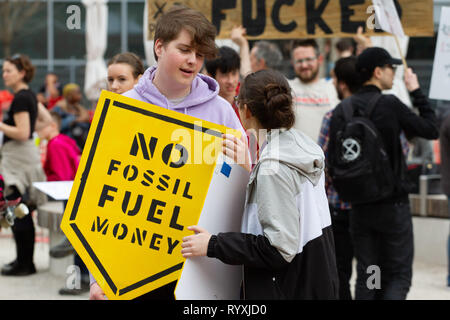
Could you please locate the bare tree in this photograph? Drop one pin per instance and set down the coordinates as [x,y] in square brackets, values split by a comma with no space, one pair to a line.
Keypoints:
[14,14]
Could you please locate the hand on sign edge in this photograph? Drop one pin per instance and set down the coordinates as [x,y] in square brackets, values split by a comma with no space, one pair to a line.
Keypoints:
[96,293]
[197,244]
[237,150]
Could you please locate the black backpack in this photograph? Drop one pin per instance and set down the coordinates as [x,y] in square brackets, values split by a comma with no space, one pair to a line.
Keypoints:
[357,161]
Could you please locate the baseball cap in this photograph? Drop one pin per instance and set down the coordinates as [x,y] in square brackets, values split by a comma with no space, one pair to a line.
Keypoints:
[374,57]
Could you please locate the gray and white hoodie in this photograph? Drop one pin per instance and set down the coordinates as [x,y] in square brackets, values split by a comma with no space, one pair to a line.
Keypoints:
[286,193]
[286,243]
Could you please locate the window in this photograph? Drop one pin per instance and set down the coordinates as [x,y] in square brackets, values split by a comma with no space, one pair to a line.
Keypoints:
[68,43]
[135,29]
[114,30]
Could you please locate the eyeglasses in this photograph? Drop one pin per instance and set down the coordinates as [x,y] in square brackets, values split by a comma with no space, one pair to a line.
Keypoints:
[307,60]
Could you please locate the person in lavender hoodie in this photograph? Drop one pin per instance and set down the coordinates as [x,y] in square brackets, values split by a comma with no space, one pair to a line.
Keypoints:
[183,39]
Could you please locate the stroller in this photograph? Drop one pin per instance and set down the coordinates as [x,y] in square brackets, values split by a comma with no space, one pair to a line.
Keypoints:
[10,209]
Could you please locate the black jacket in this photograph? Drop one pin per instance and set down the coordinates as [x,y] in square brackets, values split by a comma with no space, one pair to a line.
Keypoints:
[445,155]
[267,276]
[391,116]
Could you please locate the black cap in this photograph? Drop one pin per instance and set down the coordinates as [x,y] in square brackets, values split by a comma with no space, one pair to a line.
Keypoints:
[374,57]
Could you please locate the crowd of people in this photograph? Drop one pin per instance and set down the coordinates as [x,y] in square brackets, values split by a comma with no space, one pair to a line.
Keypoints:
[302,227]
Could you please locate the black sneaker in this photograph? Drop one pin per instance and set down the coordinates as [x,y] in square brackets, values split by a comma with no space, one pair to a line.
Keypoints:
[15,269]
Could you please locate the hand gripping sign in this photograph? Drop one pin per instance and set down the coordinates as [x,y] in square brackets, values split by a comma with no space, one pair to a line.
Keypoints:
[142,179]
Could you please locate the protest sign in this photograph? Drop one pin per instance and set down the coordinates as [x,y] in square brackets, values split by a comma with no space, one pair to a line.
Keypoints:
[222,212]
[142,180]
[388,20]
[291,19]
[387,17]
[440,79]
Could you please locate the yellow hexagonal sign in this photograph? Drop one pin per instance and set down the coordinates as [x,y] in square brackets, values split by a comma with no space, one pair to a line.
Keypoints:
[142,179]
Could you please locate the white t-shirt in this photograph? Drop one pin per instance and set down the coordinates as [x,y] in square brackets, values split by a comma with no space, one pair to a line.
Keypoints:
[311,102]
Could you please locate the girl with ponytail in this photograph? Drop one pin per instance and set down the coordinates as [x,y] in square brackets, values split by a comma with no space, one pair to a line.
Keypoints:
[286,244]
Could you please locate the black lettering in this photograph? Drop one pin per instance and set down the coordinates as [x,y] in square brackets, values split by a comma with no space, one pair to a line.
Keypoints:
[347,13]
[398,7]
[175,187]
[100,226]
[137,235]
[137,206]
[184,155]
[173,220]
[124,232]
[171,245]
[186,191]
[105,196]
[147,176]
[314,16]
[160,9]
[139,140]
[133,176]
[255,27]
[217,15]
[276,16]
[155,240]
[152,211]
[163,182]
[112,166]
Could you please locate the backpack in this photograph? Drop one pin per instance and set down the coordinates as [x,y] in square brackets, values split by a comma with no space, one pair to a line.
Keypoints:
[357,161]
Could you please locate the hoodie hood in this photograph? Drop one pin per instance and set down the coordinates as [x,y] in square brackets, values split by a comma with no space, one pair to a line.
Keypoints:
[203,89]
[296,150]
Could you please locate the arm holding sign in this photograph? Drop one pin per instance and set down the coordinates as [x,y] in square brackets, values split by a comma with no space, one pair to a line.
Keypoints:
[274,244]
[233,248]
[411,81]
[237,149]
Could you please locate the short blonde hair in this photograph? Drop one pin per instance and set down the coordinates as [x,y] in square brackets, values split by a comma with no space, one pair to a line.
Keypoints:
[70,87]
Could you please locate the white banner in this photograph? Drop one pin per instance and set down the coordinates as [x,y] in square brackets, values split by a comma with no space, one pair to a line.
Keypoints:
[387,17]
[440,79]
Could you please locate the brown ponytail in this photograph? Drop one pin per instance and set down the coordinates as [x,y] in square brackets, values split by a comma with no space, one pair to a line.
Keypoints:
[268,96]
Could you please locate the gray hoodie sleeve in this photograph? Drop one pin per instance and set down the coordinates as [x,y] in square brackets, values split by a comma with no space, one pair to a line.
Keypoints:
[278,215]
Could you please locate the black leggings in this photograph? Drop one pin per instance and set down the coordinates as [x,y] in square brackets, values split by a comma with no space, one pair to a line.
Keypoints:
[24,233]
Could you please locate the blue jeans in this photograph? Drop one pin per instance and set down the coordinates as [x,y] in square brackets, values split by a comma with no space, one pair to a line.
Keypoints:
[382,236]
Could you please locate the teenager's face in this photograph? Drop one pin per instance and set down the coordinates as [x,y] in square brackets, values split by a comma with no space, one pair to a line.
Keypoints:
[178,61]
[11,75]
[120,78]
[228,83]
[306,63]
